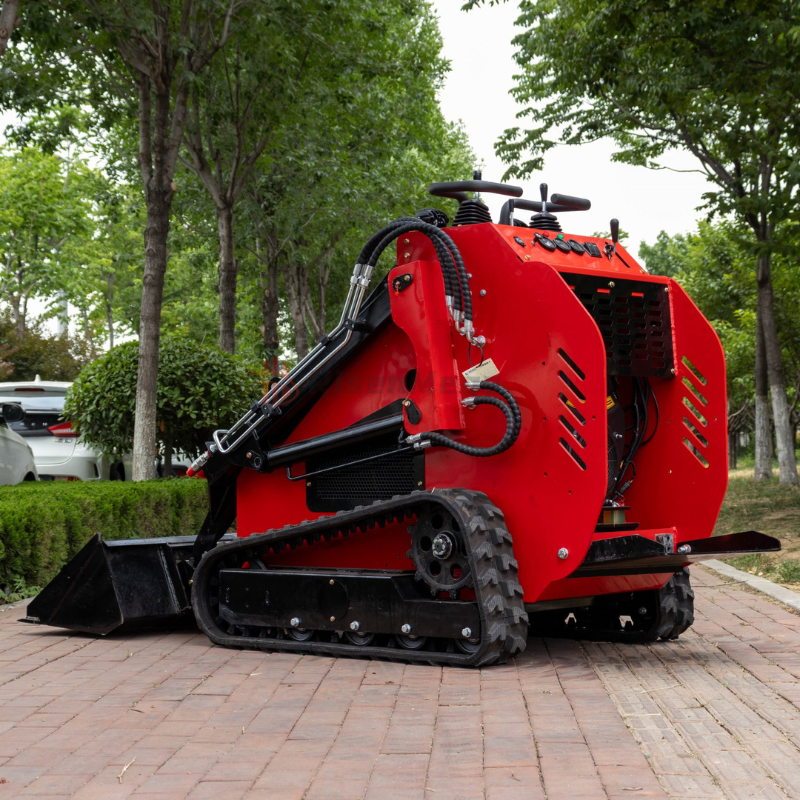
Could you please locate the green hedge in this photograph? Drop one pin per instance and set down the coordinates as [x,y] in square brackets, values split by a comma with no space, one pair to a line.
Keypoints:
[42,525]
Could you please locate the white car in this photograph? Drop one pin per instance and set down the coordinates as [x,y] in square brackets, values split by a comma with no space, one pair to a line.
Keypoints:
[16,457]
[56,451]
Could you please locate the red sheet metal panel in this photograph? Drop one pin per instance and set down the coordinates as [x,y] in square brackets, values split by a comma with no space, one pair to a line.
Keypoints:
[550,356]
[682,474]
[420,310]
[549,353]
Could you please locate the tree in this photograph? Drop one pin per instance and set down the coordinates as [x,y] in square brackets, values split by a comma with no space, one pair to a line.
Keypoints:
[200,389]
[311,212]
[335,83]
[714,265]
[37,352]
[712,78]
[8,19]
[43,208]
[143,56]
[233,112]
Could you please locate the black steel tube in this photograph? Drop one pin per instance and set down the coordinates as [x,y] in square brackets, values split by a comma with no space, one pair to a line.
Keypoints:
[300,451]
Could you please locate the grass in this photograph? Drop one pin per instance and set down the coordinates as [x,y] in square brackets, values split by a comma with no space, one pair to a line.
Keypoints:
[768,507]
[16,589]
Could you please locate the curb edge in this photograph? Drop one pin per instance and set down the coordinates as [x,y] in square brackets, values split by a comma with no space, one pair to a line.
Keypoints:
[773,590]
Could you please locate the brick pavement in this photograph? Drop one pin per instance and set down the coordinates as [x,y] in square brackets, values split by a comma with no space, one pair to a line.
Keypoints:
[714,715]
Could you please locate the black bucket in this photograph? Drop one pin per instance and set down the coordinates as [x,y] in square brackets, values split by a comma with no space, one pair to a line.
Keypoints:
[130,582]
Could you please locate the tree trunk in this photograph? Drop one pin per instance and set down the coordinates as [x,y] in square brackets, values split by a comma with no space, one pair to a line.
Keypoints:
[87,330]
[155,266]
[763,432]
[780,405]
[322,285]
[109,311]
[270,308]
[228,270]
[295,296]
[8,21]
[167,464]
[16,300]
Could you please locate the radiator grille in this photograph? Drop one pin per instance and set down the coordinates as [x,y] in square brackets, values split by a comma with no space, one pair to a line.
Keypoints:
[634,321]
[361,484]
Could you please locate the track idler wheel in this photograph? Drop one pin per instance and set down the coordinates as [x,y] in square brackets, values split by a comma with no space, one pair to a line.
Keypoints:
[439,552]
[359,639]
[412,642]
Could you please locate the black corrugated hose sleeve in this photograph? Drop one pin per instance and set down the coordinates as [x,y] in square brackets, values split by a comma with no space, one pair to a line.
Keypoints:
[513,425]
[431,231]
[452,284]
[507,396]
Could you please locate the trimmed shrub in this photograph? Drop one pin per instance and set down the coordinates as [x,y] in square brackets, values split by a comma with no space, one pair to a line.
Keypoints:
[42,525]
[200,388]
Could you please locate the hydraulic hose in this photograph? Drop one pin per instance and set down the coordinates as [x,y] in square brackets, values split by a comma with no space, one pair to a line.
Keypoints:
[453,269]
[507,396]
[430,231]
[513,425]
[452,285]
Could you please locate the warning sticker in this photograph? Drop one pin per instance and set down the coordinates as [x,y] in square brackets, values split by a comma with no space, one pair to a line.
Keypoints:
[482,372]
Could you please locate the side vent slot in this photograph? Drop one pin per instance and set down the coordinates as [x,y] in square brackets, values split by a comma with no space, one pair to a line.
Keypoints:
[573,366]
[697,435]
[571,408]
[695,452]
[575,390]
[572,431]
[576,458]
[571,439]
[694,399]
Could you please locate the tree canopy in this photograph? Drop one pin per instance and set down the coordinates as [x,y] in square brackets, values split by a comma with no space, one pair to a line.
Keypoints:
[240,153]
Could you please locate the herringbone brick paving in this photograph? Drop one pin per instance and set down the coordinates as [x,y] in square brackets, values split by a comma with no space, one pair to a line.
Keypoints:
[713,715]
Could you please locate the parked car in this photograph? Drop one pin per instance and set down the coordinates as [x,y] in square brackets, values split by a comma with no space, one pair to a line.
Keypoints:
[16,457]
[57,453]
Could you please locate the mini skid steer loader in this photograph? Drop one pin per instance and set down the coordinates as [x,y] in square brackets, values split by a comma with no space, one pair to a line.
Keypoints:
[383,509]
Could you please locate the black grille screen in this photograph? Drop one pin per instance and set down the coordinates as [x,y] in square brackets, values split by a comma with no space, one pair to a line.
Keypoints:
[360,484]
[634,321]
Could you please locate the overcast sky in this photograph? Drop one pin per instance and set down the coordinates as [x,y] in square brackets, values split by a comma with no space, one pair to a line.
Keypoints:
[478,45]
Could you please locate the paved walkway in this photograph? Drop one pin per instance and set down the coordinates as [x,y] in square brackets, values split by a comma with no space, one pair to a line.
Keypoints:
[714,715]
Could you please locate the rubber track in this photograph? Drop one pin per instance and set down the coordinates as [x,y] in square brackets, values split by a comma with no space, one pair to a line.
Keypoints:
[504,623]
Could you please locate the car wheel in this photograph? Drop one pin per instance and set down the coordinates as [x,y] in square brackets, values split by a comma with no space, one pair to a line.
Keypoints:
[116,472]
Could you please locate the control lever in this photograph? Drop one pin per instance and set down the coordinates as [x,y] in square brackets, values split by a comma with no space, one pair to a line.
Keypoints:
[609,249]
[571,203]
